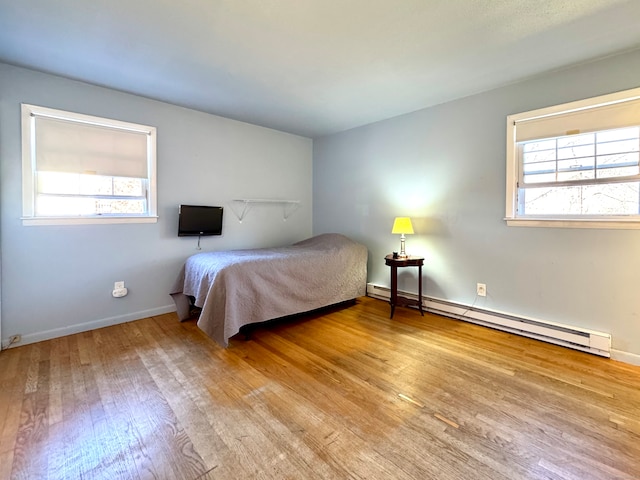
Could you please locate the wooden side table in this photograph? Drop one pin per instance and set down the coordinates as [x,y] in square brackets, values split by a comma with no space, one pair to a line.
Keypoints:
[396,263]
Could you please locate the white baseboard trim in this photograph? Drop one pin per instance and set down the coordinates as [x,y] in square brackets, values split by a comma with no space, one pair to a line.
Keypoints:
[626,357]
[84,327]
[598,343]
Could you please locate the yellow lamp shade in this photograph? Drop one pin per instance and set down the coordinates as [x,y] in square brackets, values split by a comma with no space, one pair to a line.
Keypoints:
[402,225]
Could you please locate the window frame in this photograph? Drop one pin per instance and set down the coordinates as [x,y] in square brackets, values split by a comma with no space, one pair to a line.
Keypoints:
[513,167]
[29,169]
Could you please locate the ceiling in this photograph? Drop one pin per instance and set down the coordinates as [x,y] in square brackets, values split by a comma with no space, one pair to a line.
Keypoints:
[311,67]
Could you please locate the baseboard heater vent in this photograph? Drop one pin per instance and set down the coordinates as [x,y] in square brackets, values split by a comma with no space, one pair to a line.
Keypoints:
[577,338]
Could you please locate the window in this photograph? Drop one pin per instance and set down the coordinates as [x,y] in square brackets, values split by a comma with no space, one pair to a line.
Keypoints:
[576,165]
[83,169]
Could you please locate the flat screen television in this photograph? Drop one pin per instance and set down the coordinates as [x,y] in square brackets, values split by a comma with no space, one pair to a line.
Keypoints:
[199,220]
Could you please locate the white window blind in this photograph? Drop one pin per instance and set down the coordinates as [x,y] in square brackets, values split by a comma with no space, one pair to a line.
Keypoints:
[589,119]
[69,146]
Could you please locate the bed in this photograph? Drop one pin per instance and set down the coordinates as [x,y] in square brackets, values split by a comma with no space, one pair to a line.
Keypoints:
[242,287]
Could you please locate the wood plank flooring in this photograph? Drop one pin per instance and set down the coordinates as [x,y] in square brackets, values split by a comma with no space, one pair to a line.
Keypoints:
[342,394]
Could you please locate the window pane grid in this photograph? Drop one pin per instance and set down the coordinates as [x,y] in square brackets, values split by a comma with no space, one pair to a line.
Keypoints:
[97,197]
[81,194]
[595,174]
[62,193]
[563,159]
[620,199]
[53,205]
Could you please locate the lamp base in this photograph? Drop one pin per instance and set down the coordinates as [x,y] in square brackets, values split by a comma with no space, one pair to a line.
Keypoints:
[402,253]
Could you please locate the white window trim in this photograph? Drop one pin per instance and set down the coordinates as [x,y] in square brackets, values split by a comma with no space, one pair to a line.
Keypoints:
[28,170]
[511,208]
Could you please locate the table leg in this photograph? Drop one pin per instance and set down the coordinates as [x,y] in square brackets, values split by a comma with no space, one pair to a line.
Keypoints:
[420,289]
[394,289]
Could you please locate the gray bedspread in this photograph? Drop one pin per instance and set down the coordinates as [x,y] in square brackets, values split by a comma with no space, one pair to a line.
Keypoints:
[240,287]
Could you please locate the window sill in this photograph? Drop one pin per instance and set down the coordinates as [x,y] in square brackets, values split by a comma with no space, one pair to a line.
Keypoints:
[628,224]
[35,221]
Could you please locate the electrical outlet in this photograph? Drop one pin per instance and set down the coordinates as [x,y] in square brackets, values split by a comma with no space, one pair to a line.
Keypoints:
[481,289]
[118,285]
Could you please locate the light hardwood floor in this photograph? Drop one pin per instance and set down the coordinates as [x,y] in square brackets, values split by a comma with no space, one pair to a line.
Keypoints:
[345,394]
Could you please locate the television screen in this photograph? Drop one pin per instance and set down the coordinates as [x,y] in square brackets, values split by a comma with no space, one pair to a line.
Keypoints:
[199,220]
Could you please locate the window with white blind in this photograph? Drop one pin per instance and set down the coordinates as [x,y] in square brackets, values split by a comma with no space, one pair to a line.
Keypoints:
[84,169]
[576,165]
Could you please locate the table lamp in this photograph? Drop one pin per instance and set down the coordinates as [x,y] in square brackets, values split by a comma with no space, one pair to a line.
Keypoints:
[402,225]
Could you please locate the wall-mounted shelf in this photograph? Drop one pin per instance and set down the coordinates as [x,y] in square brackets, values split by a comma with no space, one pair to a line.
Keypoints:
[242,206]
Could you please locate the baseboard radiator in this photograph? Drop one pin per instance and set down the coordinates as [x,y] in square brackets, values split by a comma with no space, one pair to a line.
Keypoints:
[568,336]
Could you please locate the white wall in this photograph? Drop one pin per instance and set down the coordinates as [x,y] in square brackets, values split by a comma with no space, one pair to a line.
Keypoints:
[58,279]
[445,167]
